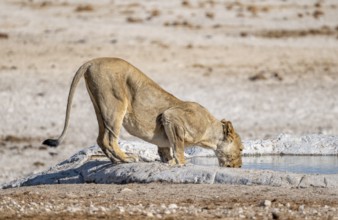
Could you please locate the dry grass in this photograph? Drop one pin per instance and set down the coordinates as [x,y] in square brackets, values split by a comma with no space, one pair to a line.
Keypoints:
[182,23]
[185,3]
[160,44]
[265,75]
[4,36]
[317,14]
[155,13]
[253,10]
[323,31]
[84,8]
[209,15]
[134,20]
[16,139]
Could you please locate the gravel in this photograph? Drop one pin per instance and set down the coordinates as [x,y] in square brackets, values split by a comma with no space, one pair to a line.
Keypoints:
[138,201]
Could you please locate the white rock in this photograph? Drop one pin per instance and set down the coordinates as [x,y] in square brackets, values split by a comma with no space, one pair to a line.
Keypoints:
[74,209]
[267,203]
[126,190]
[81,168]
[172,206]
[301,208]
[121,209]
[150,214]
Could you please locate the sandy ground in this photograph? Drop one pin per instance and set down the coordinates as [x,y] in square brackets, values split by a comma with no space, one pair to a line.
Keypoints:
[167,201]
[268,66]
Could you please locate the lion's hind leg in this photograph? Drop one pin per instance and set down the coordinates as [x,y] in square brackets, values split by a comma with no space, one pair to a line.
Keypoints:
[110,119]
[110,147]
[109,141]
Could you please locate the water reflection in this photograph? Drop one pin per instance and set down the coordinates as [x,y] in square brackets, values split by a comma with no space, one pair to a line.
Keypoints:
[294,164]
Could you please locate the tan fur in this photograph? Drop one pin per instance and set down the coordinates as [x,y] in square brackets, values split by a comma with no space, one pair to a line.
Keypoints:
[123,96]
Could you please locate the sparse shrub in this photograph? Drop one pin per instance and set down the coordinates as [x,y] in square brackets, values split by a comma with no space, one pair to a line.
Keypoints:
[185,3]
[243,34]
[155,13]
[317,13]
[253,9]
[134,20]
[4,36]
[318,5]
[82,8]
[210,15]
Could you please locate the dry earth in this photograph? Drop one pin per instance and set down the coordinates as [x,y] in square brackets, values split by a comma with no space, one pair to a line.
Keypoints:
[268,66]
[167,201]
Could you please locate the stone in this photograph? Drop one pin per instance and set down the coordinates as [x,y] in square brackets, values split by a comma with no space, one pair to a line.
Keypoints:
[88,166]
[121,209]
[126,190]
[266,203]
[149,214]
[172,206]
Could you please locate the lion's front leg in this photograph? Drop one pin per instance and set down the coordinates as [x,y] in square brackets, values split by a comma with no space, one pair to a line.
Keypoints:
[175,134]
[165,154]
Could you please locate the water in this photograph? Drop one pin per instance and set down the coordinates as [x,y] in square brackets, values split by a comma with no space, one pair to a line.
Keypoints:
[294,164]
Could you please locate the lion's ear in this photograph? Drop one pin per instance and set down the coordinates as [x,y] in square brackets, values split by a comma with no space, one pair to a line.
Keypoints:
[228,129]
[231,131]
[224,121]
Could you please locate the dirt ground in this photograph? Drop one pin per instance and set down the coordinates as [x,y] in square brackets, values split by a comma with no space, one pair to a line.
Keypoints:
[268,66]
[167,201]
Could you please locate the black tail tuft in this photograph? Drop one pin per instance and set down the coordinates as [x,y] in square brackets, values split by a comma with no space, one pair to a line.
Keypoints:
[51,142]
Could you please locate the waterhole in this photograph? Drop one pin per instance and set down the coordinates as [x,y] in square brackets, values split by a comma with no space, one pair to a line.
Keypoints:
[294,164]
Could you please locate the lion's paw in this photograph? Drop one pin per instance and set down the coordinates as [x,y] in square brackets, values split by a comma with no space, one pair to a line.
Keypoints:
[174,163]
[131,158]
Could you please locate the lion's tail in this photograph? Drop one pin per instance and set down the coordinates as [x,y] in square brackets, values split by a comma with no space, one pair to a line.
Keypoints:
[81,71]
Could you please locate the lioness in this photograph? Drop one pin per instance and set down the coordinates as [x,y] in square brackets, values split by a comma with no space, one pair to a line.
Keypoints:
[123,95]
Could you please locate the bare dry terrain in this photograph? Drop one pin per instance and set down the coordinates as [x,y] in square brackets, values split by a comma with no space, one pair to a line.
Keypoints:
[268,66]
[167,201]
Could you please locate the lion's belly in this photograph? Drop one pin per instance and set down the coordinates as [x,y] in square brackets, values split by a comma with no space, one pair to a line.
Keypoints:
[147,130]
[144,110]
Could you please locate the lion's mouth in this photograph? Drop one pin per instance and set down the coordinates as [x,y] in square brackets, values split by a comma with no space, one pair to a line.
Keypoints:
[231,163]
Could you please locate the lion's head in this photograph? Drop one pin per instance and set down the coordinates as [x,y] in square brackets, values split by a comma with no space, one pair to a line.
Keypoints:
[229,150]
